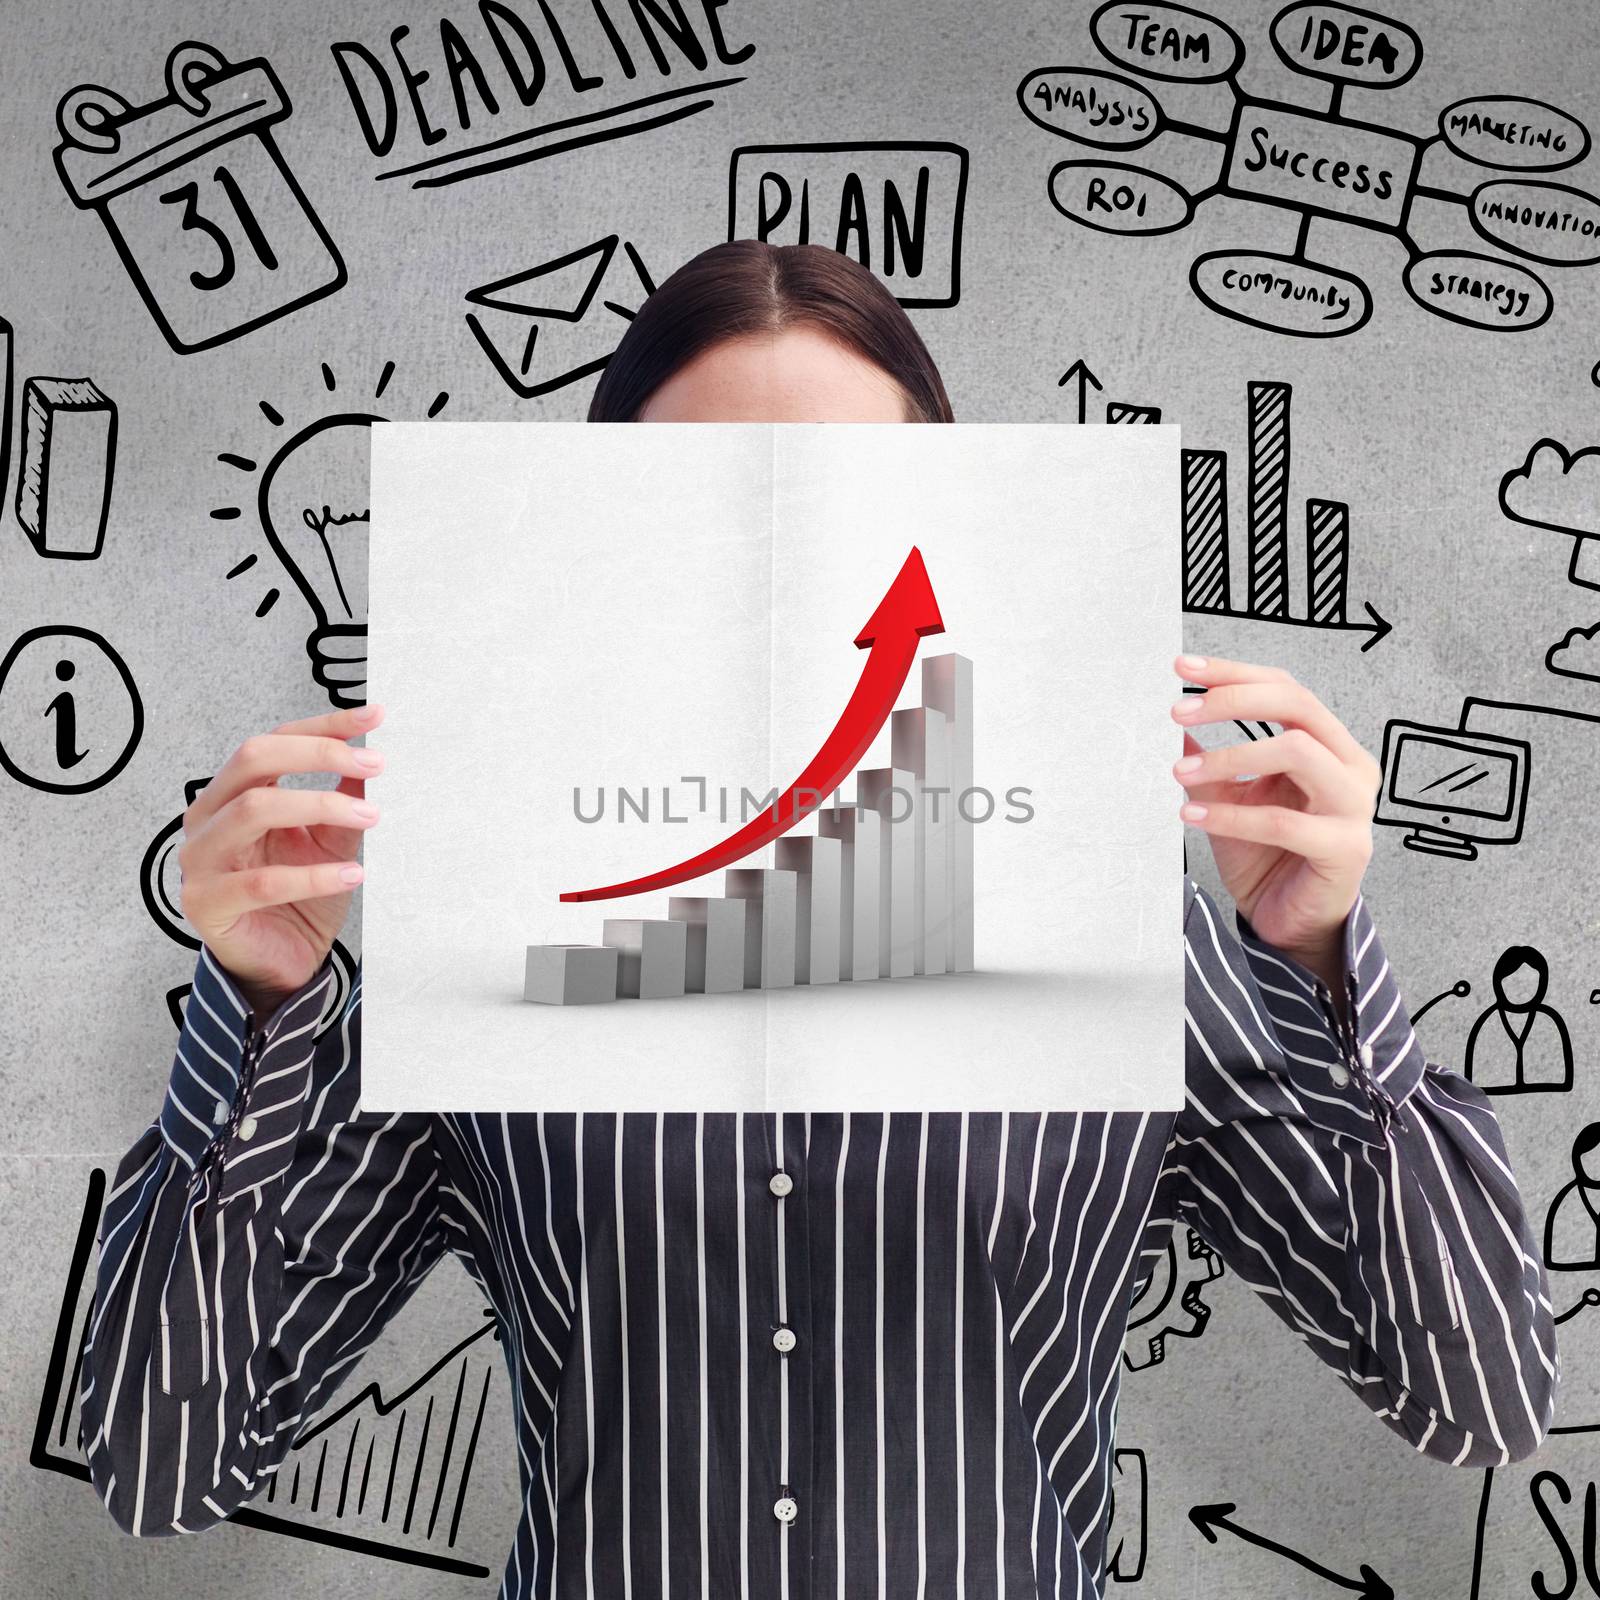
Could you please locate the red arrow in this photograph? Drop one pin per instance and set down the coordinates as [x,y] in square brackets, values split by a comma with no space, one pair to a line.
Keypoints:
[906,613]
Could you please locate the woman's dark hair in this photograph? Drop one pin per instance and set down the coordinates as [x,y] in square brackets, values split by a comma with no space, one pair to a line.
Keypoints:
[746,287]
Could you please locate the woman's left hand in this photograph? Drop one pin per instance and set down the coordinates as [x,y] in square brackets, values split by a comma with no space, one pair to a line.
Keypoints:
[1291,844]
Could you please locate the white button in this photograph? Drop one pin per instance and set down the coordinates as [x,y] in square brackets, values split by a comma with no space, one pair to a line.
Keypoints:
[247,1128]
[1366,1056]
[784,1509]
[1339,1073]
[780,1183]
[783,1340]
[219,1112]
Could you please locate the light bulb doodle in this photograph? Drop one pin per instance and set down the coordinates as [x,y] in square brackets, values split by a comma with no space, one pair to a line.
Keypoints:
[311,502]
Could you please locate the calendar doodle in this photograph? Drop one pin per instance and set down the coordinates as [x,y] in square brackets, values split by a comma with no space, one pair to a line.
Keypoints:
[213,227]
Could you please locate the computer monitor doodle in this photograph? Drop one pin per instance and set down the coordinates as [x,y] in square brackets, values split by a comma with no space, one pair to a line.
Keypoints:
[1453,789]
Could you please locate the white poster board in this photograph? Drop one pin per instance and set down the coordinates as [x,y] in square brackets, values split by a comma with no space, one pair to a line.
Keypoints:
[604,648]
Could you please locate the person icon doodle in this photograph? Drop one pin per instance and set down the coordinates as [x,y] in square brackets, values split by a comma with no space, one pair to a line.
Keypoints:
[1572,1226]
[1515,1033]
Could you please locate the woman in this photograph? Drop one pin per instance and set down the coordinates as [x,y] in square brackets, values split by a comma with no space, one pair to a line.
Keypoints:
[818,1355]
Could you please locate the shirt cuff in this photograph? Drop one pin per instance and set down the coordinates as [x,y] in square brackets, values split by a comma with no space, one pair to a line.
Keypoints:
[1356,1071]
[237,1082]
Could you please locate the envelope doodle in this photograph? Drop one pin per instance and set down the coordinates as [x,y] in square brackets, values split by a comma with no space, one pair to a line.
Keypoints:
[557,298]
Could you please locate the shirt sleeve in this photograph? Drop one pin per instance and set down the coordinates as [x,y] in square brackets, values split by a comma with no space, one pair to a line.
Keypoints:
[1363,1191]
[258,1235]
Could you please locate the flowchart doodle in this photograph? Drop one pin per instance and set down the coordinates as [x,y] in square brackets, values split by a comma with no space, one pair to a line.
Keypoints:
[1318,164]
[211,224]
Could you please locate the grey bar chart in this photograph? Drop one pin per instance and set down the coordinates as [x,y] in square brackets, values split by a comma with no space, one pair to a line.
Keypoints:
[882,886]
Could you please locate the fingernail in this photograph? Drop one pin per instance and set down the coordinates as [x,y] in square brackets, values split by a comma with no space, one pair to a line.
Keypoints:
[364,811]
[1192,663]
[1190,764]
[1190,706]
[1192,812]
[352,872]
[370,759]
[366,713]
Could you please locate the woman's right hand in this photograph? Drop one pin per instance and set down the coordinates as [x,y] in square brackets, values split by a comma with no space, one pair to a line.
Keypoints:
[267,873]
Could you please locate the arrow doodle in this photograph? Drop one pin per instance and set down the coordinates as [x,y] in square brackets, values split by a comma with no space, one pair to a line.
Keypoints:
[907,613]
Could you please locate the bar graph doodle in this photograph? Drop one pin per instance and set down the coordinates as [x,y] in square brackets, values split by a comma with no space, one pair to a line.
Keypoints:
[1318,165]
[354,1464]
[1208,587]
[311,506]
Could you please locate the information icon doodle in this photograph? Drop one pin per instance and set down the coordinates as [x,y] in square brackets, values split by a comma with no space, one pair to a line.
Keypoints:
[213,227]
[70,712]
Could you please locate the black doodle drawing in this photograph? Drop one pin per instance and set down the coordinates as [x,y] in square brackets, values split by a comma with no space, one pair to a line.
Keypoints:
[71,715]
[452,97]
[1589,1300]
[895,207]
[1270,584]
[563,300]
[1079,373]
[329,1453]
[1128,1516]
[1456,788]
[1214,1519]
[1453,789]
[7,342]
[1518,1043]
[1560,489]
[1169,1302]
[1546,1538]
[1518,1032]
[1318,165]
[67,465]
[1572,1224]
[205,214]
[160,887]
[311,505]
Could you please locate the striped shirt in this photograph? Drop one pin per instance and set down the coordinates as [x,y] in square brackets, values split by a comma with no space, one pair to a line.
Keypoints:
[809,1355]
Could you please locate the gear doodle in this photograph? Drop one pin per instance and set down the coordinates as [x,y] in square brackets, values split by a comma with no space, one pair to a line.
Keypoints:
[1170,1301]
[1319,164]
